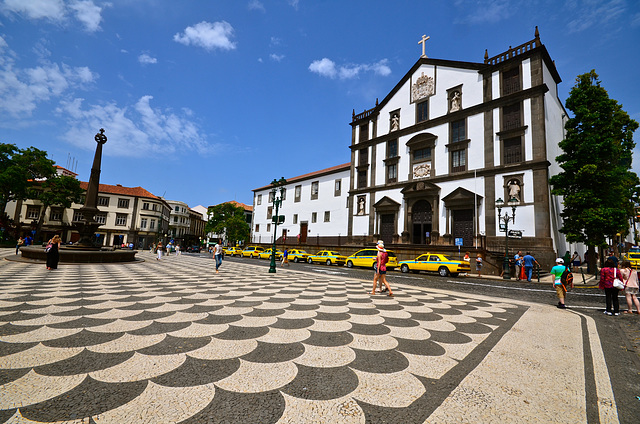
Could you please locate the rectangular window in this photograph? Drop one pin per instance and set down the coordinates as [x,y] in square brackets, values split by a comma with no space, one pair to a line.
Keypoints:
[392,173]
[392,148]
[510,81]
[511,117]
[101,218]
[175,219]
[314,217]
[338,188]
[103,201]
[121,219]
[295,218]
[155,207]
[422,154]
[123,203]
[512,150]
[458,160]
[259,199]
[268,227]
[284,193]
[143,223]
[363,157]
[56,214]
[314,190]
[271,194]
[364,132]
[177,208]
[257,228]
[152,224]
[362,179]
[77,216]
[458,131]
[145,206]
[298,191]
[269,212]
[327,216]
[422,111]
[33,212]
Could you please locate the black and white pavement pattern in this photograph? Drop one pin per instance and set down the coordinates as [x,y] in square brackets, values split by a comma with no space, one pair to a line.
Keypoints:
[171,341]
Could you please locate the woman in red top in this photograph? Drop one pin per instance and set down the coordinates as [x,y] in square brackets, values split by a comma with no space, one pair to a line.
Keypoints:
[607,274]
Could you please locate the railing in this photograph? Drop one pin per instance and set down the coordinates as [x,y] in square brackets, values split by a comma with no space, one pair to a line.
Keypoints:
[365,114]
[513,52]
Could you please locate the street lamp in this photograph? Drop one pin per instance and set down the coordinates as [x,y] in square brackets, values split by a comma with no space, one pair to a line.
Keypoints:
[276,186]
[505,219]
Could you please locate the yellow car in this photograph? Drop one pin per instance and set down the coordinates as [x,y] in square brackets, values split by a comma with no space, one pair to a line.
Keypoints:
[233,251]
[435,262]
[368,257]
[297,255]
[252,251]
[267,254]
[633,257]
[328,257]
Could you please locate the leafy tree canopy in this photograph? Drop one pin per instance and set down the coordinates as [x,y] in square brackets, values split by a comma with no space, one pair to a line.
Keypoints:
[598,188]
[229,220]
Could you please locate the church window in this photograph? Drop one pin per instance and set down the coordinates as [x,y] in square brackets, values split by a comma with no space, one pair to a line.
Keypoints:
[458,131]
[512,149]
[458,160]
[363,157]
[510,81]
[362,179]
[364,132]
[392,148]
[422,154]
[392,173]
[422,111]
[511,117]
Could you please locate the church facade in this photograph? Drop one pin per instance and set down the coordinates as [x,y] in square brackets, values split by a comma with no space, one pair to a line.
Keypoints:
[430,161]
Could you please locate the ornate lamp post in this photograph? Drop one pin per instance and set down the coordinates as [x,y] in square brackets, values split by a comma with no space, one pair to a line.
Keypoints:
[275,218]
[505,219]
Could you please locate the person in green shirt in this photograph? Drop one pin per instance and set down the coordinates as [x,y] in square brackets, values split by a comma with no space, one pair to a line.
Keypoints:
[557,272]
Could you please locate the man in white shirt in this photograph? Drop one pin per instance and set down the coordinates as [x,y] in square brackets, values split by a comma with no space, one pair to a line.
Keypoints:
[217,254]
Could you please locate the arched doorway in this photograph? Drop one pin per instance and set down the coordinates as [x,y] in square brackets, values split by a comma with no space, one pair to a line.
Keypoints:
[421,222]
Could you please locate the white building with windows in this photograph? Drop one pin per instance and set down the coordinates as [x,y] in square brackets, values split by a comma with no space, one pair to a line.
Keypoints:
[179,222]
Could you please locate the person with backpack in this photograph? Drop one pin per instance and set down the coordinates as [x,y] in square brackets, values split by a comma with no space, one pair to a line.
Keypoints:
[562,281]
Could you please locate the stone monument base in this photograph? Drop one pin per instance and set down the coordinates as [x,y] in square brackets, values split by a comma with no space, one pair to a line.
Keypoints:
[70,254]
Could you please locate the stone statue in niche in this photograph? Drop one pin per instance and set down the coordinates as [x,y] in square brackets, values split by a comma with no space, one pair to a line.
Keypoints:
[361,205]
[514,189]
[395,122]
[456,102]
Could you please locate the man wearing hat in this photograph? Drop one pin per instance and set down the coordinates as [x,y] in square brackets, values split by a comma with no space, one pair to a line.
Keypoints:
[557,272]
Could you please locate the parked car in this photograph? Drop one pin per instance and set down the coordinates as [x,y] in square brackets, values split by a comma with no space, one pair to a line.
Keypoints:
[252,251]
[633,256]
[328,257]
[368,257]
[435,262]
[267,254]
[193,249]
[297,255]
[233,251]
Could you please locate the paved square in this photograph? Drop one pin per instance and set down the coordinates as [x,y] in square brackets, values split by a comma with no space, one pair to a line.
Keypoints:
[170,341]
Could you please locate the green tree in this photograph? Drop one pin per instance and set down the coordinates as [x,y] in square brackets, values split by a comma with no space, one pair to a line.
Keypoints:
[229,220]
[598,188]
[58,190]
[19,170]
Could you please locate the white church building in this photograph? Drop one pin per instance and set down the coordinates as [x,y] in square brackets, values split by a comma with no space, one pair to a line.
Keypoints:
[430,160]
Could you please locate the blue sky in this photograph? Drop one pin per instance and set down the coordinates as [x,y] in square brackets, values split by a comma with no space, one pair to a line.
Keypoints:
[205,100]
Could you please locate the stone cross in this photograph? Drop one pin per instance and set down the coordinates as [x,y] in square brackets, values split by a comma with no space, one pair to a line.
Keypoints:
[423,42]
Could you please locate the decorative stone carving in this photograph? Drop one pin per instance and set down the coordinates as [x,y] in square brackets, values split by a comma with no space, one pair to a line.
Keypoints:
[422,88]
[395,122]
[422,170]
[361,202]
[456,102]
[514,189]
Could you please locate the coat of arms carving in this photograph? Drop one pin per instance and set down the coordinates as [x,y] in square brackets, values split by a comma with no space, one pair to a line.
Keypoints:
[422,170]
[422,88]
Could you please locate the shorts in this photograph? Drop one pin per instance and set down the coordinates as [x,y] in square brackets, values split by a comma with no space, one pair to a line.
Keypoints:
[630,290]
[560,291]
[382,272]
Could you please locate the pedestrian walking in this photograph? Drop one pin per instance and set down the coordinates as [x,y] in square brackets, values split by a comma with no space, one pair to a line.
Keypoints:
[217,254]
[53,252]
[575,260]
[528,261]
[518,264]
[608,273]
[381,269]
[19,244]
[159,250]
[285,258]
[630,277]
[479,264]
[558,285]
[178,250]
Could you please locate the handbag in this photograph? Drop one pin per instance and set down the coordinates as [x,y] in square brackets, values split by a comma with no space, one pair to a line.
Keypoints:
[617,283]
[46,249]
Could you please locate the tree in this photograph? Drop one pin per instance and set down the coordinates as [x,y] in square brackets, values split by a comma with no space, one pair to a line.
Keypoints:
[229,220]
[598,188]
[19,170]
[58,190]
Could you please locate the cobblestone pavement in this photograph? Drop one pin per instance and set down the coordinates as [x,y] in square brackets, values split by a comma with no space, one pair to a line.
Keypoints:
[171,341]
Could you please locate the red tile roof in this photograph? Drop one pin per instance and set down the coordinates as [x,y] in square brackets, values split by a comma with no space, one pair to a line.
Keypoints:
[125,191]
[238,205]
[336,168]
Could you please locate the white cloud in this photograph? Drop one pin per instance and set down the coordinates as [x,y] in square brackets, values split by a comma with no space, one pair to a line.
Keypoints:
[145,59]
[327,68]
[85,11]
[589,14]
[256,5]
[136,131]
[294,3]
[276,57]
[208,35]
[485,11]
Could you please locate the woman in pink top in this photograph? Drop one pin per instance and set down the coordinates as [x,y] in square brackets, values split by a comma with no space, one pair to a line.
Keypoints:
[630,279]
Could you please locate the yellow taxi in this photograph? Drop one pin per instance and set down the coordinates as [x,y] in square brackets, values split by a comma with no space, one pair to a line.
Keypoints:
[252,251]
[367,258]
[297,255]
[435,262]
[233,251]
[633,256]
[267,254]
[328,257]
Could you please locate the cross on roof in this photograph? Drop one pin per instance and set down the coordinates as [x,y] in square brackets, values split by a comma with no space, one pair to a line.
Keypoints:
[423,42]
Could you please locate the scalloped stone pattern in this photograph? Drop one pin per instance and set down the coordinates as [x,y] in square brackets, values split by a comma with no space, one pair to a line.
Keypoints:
[173,342]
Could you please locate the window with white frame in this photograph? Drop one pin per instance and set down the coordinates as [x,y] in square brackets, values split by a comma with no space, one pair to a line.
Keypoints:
[327,216]
[337,188]
[298,192]
[295,218]
[121,219]
[101,218]
[143,223]
[77,216]
[259,201]
[145,206]
[56,214]
[103,201]
[314,217]
[33,212]
[123,203]
[314,190]
[152,224]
